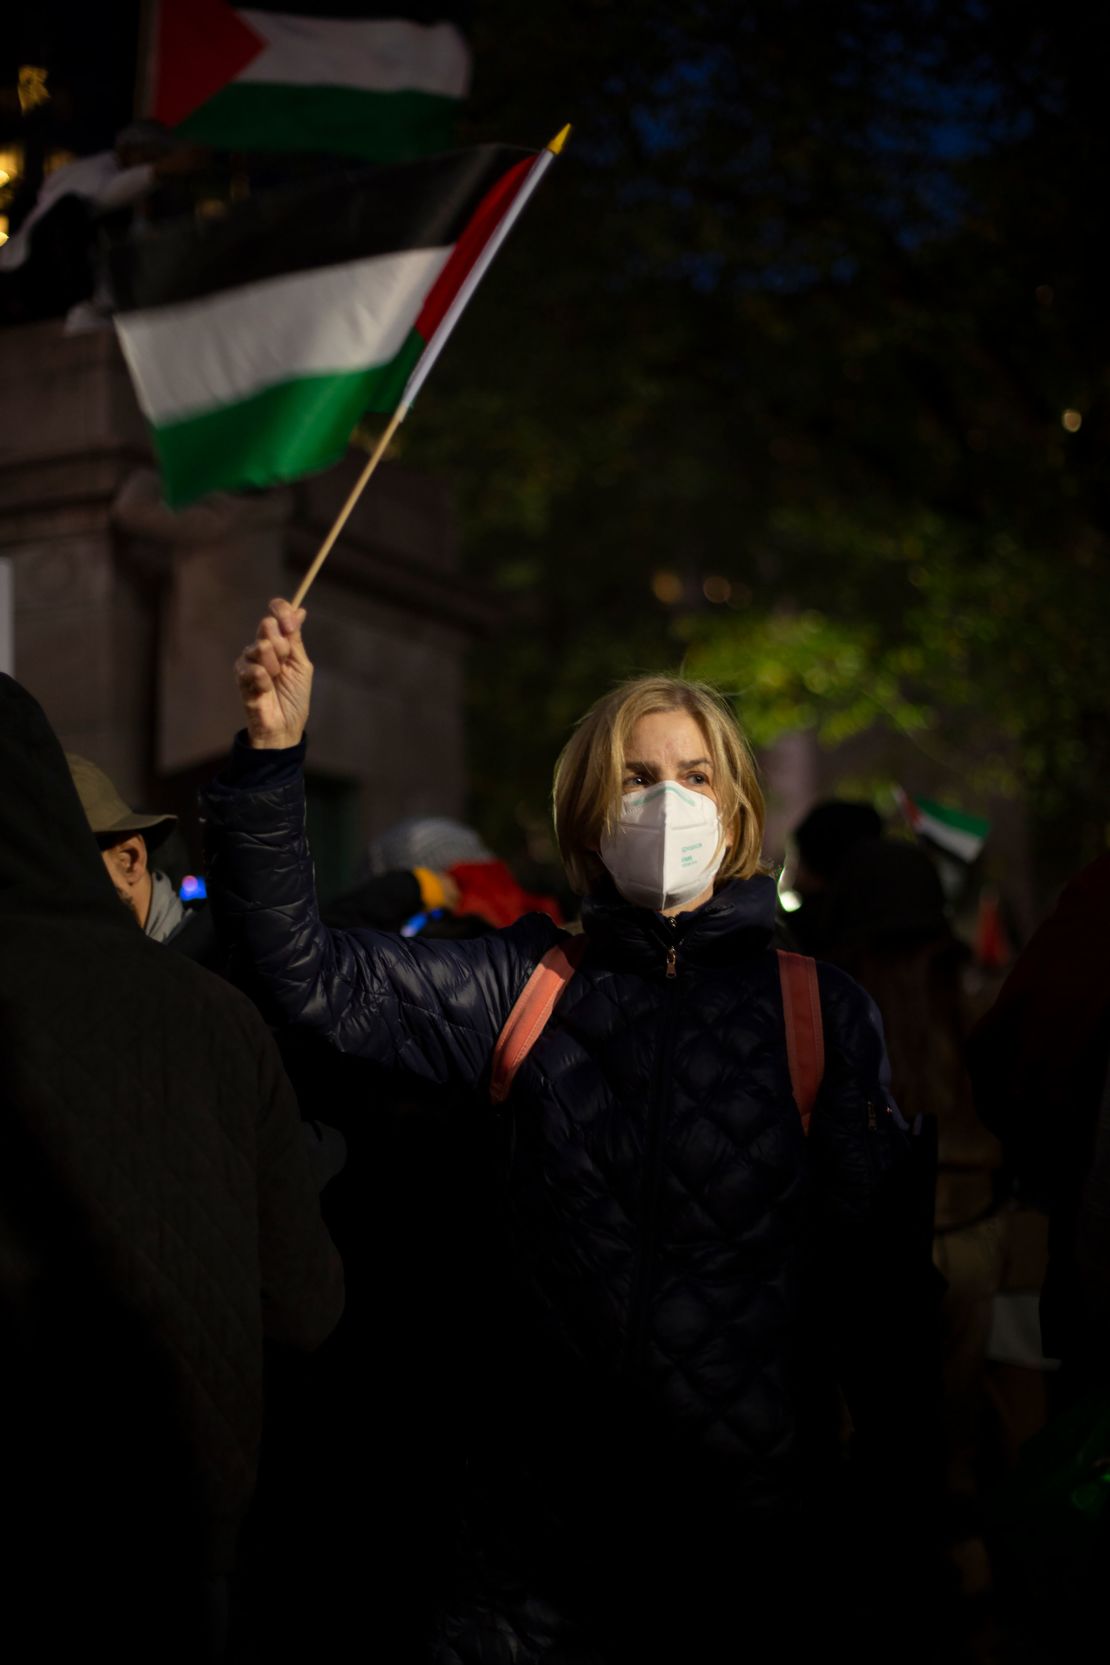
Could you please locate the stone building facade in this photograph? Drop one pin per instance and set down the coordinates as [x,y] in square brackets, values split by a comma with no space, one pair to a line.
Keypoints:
[126,617]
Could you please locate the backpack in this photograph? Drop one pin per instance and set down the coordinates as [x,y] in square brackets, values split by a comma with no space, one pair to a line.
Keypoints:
[801,1003]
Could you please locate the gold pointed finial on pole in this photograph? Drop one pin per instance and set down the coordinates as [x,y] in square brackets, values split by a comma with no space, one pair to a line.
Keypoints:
[559,141]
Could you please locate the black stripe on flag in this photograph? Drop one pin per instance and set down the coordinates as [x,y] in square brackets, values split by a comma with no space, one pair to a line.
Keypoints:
[299,228]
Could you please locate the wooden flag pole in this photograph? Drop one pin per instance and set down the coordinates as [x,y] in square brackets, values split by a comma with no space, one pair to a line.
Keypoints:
[432,351]
[344,514]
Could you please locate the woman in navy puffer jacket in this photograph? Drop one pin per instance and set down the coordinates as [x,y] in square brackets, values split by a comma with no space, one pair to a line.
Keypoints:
[696,1278]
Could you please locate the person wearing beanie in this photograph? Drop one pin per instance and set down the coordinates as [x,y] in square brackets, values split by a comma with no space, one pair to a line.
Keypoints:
[428,865]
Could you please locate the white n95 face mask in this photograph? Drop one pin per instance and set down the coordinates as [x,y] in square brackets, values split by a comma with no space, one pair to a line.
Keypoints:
[666,847]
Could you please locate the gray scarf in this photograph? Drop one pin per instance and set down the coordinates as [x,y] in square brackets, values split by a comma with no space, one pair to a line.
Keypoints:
[166,909]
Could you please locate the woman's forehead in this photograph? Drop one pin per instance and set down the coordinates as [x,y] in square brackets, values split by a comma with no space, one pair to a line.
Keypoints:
[672,734]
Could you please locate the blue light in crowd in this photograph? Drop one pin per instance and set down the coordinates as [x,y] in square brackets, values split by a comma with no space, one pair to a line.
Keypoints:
[413,927]
[192,889]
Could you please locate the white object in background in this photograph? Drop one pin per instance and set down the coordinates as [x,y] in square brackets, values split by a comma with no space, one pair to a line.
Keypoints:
[1015,1331]
[7,616]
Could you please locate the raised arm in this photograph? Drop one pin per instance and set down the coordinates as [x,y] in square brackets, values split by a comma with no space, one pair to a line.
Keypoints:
[434,1009]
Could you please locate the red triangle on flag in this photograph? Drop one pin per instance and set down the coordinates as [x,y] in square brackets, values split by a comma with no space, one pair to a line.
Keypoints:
[198,47]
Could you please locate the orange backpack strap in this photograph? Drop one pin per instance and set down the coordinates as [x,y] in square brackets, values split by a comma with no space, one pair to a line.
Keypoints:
[528,1018]
[805,1036]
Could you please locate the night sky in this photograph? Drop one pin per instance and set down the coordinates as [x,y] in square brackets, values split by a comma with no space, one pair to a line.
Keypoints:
[89,50]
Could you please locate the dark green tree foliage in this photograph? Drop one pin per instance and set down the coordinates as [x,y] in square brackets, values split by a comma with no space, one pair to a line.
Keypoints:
[808,311]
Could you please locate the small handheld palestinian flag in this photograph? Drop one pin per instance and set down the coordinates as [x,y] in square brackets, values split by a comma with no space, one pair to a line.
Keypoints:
[256,342]
[380,81]
[961,835]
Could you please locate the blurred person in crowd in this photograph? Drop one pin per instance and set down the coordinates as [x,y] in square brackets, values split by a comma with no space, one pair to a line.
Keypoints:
[387,897]
[127,839]
[885,922]
[692,1272]
[1041,1070]
[821,844]
[158,1224]
[1040,1063]
[50,264]
[454,871]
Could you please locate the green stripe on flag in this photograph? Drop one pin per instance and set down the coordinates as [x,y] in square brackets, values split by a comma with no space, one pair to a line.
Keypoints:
[380,126]
[294,428]
[956,818]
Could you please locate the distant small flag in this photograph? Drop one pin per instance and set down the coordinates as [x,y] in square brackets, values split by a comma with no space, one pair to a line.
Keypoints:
[381,81]
[258,341]
[962,835]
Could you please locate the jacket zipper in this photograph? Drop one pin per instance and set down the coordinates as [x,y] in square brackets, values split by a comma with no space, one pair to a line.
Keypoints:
[653,1173]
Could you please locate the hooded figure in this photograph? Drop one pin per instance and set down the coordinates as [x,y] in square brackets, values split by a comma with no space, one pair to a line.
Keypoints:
[157,1221]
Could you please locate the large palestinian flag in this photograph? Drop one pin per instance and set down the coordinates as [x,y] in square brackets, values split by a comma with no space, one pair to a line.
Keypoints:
[256,342]
[378,81]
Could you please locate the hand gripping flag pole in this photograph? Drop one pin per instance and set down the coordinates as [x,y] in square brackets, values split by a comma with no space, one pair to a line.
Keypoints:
[434,348]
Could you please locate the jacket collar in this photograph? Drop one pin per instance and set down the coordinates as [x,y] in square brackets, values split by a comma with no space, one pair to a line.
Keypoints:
[737,921]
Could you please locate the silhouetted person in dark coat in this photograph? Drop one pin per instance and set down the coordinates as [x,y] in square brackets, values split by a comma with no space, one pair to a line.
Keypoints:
[157,1221]
[1040,1065]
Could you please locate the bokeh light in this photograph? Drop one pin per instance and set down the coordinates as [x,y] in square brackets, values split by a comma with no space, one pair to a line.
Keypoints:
[667,588]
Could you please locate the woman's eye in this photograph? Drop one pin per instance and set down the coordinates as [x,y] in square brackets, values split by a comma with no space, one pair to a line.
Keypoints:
[698,780]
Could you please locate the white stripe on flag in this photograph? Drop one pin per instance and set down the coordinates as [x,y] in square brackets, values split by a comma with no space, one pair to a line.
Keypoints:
[202,354]
[966,845]
[376,55]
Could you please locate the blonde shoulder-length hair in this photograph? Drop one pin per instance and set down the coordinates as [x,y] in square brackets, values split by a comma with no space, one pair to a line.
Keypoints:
[590,771]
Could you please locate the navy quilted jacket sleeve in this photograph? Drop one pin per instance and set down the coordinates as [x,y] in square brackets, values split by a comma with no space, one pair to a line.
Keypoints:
[433,1009]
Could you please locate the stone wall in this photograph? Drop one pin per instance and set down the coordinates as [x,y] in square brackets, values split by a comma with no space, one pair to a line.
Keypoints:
[127,616]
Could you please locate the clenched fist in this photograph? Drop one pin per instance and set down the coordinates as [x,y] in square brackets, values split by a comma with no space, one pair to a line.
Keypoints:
[275,679]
